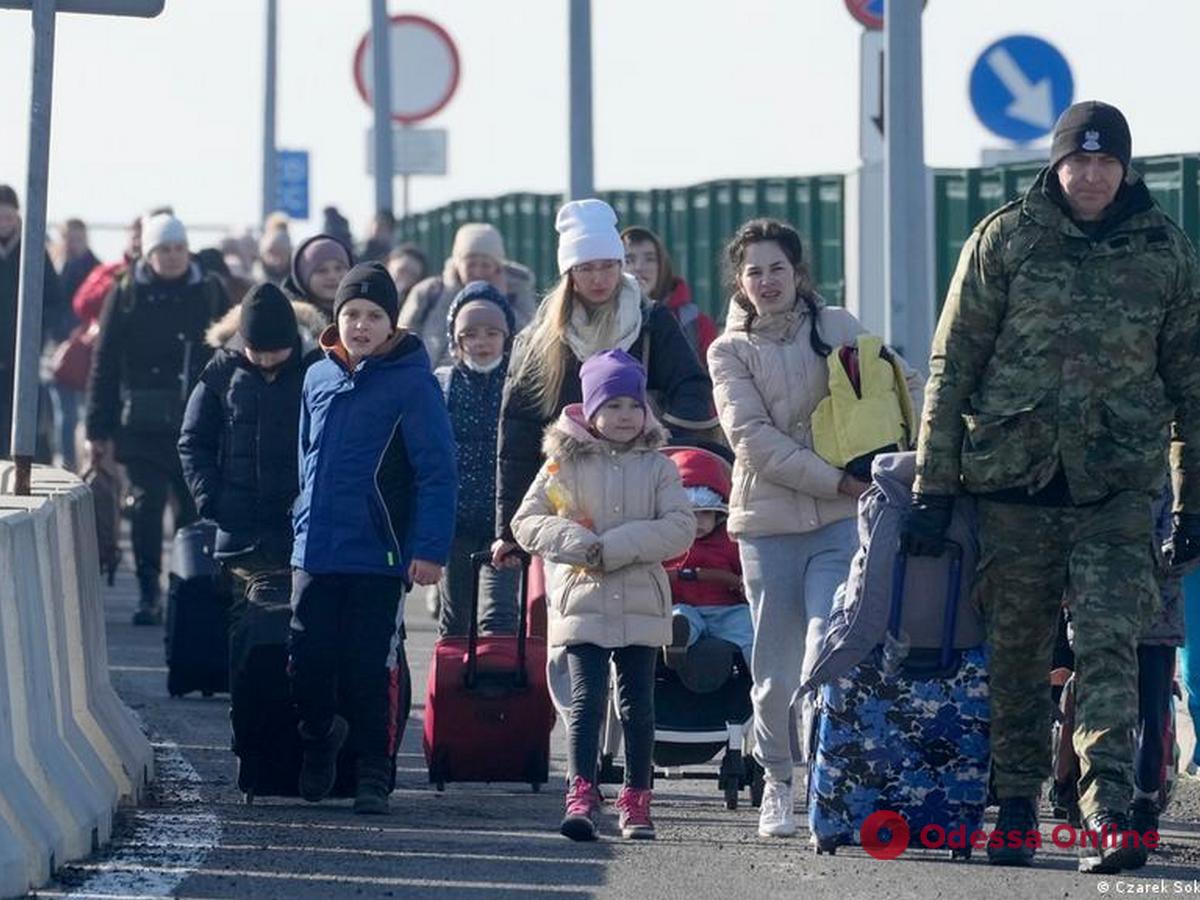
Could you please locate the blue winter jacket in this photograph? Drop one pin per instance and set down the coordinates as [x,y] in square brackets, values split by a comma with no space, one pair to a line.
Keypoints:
[377,469]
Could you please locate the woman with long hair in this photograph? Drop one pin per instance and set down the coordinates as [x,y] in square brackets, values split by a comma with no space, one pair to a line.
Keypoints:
[594,307]
[791,511]
[647,260]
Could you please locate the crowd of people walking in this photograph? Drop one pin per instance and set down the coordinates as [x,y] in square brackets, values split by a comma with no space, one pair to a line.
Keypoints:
[356,425]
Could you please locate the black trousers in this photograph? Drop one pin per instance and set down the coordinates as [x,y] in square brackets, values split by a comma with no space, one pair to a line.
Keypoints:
[151,480]
[588,665]
[1156,674]
[344,647]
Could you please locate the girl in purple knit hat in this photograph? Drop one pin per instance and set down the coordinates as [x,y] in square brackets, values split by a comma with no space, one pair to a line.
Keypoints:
[604,512]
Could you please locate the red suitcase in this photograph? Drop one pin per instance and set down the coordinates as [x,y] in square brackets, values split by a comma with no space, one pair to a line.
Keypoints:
[488,714]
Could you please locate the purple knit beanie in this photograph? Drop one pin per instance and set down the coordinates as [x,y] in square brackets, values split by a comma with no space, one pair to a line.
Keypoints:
[610,374]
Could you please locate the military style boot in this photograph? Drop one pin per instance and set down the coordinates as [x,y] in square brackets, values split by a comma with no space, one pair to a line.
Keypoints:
[1108,845]
[1017,814]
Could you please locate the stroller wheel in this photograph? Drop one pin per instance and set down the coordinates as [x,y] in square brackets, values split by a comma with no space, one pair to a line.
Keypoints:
[961,853]
[755,773]
[731,795]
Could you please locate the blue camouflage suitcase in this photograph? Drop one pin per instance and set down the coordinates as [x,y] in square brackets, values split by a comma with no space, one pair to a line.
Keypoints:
[904,731]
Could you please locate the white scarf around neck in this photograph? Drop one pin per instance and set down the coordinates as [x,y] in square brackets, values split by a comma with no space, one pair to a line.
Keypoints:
[583,336]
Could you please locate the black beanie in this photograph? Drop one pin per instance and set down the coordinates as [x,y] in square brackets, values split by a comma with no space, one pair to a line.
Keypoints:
[369,281]
[1091,127]
[8,197]
[268,320]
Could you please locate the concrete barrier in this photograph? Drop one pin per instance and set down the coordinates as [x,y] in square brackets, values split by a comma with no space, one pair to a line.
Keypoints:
[70,752]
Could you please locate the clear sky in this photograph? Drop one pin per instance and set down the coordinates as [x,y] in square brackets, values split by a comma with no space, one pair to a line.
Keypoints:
[169,110]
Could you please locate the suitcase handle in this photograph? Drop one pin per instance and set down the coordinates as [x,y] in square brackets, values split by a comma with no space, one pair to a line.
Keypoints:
[478,561]
[953,592]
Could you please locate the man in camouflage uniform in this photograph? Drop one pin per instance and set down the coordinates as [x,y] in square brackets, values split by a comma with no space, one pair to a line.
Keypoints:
[1065,354]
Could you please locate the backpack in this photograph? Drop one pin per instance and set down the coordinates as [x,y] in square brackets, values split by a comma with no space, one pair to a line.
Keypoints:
[106,498]
[859,621]
[867,411]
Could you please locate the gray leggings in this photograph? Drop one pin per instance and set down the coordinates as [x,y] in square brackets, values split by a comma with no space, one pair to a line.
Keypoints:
[588,665]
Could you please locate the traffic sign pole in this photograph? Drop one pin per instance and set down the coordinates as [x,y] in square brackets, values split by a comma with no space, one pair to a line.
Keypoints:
[33,249]
[581,178]
[381,96]
[907,241]
[268,145]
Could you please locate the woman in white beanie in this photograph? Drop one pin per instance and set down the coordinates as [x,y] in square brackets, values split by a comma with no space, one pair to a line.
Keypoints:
[594,307]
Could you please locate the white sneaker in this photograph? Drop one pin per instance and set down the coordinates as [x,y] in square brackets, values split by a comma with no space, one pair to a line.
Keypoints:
[776,814]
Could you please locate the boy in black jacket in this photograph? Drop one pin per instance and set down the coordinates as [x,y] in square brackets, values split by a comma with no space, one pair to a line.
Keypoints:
[238,451]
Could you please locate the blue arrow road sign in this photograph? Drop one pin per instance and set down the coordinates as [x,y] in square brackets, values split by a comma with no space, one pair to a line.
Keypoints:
[291,182]
[1019,86]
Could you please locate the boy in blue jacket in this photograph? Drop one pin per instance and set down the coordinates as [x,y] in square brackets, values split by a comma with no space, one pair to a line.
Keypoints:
[375,514]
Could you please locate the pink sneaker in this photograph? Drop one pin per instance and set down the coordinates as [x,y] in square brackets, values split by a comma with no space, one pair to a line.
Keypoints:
[583,800]
[634,807]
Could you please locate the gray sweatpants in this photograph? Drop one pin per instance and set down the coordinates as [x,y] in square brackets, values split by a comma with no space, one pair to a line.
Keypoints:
[790,580]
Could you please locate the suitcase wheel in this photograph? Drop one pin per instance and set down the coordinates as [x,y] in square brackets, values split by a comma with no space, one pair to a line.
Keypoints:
[536,787]
[825,845]
[961,853]
[248,798]
[206,694]
[439,786]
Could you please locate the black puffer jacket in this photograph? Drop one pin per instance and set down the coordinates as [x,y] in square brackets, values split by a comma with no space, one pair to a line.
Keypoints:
[150,353]
[238,450]
[674,379]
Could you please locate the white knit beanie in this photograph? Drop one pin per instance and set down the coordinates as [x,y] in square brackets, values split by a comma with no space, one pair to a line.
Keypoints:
[587,231]
[481,238]
[161,229]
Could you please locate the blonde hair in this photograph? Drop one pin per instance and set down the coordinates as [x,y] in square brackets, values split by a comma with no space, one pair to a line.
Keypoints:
[544,362]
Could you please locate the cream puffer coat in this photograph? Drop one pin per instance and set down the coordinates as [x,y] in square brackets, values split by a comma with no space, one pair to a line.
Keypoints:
[766,383]
[631,502]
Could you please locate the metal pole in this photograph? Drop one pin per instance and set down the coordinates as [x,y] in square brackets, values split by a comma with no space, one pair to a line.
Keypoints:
[581,182]
[909,310]
[33,248]
[381,96]
[268,145]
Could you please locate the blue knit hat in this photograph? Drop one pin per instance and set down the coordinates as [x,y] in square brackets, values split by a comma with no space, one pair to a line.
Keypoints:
[610,374]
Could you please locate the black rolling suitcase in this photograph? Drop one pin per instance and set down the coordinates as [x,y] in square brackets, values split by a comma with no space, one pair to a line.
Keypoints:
[197,633]
[265,735]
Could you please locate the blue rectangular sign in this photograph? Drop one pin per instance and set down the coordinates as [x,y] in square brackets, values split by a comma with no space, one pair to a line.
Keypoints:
[291,182]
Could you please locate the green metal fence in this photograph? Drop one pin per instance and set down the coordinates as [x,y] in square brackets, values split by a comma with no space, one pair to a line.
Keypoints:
[694,222]
[961,197]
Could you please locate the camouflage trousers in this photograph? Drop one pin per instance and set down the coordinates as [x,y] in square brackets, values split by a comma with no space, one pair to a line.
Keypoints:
[1099,560]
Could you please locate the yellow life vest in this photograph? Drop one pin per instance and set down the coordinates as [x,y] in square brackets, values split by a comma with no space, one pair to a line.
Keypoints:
[851,423]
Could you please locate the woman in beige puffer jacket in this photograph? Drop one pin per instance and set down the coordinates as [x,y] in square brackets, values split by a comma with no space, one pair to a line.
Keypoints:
[791,512]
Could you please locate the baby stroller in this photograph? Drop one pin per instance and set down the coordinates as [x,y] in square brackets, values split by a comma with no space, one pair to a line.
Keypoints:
[703,709]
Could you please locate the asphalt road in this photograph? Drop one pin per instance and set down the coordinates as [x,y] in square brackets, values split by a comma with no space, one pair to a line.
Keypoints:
[196,838]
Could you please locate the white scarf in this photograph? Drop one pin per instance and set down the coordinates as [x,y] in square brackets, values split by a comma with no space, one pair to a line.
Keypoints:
[584,337]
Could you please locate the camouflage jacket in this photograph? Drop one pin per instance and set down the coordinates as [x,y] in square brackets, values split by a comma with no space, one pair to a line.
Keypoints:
[1057,349]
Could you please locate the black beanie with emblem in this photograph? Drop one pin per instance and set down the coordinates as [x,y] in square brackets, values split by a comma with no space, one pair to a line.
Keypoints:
[369,281]
[1091,127]
[268,321]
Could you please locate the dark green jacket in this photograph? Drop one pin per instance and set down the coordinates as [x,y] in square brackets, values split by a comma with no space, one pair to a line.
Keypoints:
[1056,349]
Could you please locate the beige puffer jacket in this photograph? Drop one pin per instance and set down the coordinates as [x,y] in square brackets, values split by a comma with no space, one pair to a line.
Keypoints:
[633,504]
[766,384]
